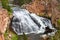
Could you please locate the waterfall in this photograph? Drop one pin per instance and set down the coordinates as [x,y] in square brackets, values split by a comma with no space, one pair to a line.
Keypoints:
[24,21]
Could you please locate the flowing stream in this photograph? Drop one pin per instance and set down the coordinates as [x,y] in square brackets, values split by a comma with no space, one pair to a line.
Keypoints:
[30,23]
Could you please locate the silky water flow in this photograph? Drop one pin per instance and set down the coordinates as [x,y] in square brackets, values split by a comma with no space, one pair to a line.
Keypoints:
[30,23]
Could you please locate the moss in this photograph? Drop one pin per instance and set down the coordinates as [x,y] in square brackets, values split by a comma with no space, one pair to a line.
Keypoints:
[23,37]
[14,37]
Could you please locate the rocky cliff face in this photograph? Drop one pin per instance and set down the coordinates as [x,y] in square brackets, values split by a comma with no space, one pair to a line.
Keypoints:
[39,7]
[3,22]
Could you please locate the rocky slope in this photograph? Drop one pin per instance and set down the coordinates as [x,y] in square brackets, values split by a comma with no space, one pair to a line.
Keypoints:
[45,8]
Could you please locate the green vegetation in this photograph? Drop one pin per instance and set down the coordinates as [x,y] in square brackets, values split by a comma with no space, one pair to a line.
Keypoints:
[25,37]
[14,36]
[57,36]
[22,37]
[58,21]
[9,35]
[5,5]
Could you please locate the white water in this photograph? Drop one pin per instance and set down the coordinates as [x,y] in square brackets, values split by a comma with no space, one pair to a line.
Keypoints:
[26,22]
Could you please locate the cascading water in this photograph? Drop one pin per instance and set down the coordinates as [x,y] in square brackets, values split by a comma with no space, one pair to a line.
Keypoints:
[24,21]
